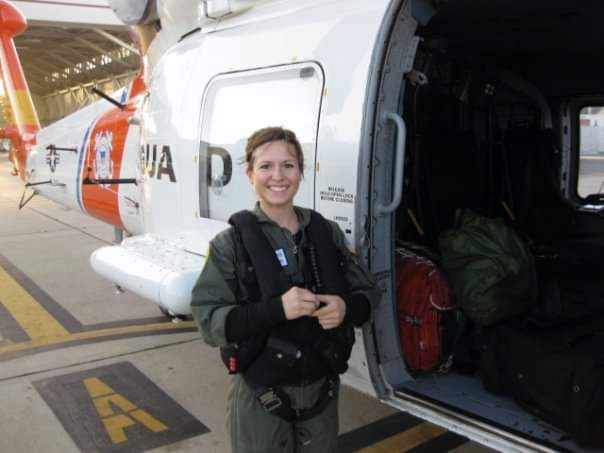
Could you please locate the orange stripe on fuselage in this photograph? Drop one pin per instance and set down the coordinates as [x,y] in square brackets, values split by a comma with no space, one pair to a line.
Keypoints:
[137,87]
[104,152]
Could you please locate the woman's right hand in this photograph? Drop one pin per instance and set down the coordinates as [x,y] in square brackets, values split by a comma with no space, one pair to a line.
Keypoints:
[298,302]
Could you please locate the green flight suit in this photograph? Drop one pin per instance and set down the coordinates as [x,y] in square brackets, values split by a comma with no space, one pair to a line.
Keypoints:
[251,428]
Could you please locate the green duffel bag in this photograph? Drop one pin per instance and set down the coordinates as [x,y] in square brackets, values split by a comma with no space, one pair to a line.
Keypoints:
[490,268]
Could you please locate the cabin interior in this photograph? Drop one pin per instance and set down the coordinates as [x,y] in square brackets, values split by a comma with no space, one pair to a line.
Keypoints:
[493,108]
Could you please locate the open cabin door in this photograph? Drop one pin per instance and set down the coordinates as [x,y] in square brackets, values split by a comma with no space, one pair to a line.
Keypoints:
[485,137]
[387,176]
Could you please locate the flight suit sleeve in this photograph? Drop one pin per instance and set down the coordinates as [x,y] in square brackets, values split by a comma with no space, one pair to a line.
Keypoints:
[363,286]
[214,293]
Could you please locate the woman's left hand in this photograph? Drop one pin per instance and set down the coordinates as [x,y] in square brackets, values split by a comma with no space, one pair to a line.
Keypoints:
[332,313]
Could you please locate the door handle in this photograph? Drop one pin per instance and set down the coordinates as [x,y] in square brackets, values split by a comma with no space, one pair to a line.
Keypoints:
[399,163]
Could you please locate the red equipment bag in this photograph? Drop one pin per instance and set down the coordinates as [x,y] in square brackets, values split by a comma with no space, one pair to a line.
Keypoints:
[424,298]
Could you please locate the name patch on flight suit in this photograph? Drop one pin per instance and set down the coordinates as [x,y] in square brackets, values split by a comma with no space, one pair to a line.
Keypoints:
[281,257]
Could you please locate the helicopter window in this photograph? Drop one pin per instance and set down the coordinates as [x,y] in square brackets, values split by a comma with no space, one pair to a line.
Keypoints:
[290,96]
[590,180]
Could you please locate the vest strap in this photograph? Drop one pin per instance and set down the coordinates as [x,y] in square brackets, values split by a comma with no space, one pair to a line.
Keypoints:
[274,401]
[272,281]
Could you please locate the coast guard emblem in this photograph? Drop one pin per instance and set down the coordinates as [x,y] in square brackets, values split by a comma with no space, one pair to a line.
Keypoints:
[102,165]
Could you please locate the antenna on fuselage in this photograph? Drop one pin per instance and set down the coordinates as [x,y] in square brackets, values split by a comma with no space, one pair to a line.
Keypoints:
[109,98]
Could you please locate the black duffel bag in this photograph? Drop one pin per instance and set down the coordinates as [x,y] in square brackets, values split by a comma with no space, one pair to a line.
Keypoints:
[556,374]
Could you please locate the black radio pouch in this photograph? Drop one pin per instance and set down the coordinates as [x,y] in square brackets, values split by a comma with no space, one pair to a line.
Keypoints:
[274,363]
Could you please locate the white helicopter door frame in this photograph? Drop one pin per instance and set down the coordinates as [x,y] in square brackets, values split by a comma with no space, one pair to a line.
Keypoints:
[235,105]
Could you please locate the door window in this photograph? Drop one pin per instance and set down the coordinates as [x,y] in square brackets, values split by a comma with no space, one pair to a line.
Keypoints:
[591,151]
[237,104]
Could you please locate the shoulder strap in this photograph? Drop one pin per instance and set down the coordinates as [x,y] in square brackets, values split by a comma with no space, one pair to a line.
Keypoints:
[270,278]
[327,263]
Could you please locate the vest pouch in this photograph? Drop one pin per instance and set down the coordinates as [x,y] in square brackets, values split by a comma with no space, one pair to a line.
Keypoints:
[238,357]
[274,363]
[334,347]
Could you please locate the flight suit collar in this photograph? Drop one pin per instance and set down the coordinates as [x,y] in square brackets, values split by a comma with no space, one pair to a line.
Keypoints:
[302,213]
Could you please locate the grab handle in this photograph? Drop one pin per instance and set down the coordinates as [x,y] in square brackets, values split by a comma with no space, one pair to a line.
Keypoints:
[401,135]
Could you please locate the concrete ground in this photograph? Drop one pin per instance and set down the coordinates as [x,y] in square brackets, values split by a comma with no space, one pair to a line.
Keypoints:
[85,369]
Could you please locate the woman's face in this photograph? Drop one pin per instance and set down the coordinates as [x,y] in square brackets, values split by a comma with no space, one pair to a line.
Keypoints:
[275,173]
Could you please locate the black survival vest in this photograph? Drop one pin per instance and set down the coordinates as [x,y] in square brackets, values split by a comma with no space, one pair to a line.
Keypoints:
[269,359]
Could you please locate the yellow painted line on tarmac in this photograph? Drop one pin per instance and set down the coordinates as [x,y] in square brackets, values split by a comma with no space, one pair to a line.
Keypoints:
[406,440]
[37,323]
[92,334]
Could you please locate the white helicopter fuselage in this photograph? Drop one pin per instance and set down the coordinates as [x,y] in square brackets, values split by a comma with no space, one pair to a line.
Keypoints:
[273,65]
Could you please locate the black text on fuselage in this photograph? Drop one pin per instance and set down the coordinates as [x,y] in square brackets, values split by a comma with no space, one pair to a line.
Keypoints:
[154,168]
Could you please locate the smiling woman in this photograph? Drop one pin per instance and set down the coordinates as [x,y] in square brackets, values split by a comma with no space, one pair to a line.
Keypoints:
[280,294]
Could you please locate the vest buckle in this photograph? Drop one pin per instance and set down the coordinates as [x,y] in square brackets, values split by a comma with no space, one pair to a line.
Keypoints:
[269,400]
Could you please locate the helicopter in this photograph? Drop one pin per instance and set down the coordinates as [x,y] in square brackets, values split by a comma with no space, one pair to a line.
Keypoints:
[405,109]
